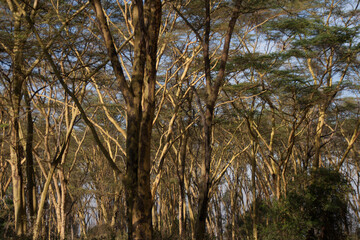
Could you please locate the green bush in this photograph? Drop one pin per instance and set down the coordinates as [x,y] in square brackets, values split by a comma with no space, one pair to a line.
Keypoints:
[316,207]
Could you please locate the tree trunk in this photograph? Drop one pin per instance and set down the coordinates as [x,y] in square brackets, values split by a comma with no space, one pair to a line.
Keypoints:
[319,128]
[181,173]
[42,203]
[204,184]
[212,92]
[31,186]
[18,194]
[218,216]
[253,190]
[62,204]
[152,19]
[16,150]
[233,198]
[140,104]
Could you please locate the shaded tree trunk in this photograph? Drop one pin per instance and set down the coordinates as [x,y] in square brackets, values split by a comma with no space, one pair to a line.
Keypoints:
[182,203]
[212,91]
[31,185]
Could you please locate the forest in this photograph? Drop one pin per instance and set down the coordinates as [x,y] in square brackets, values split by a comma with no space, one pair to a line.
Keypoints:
[180,119]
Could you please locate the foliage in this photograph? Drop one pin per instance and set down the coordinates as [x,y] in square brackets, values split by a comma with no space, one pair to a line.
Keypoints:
[315,209]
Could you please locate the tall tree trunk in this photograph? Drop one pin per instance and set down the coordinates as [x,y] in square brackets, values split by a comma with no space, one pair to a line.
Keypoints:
[62,203]
[31,185]
[253,191]
[42,202]
[190,209]
[212,92]
[204,185]
[181,173]
[16,154]
[136,159]
[130,181]
[140,104]
[16,150]
[152,18]
[18,191]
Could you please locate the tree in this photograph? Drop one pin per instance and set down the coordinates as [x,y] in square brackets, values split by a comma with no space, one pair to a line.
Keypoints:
[139,95]
[15,85]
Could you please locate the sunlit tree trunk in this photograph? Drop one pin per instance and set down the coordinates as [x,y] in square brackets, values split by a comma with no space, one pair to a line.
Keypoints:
[62,200]
[16,149]
[319,129]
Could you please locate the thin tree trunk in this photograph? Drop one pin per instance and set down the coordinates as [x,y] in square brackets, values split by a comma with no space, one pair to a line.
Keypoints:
[31,185]
[191,212]
[42,203]
[181,165]
[116,202]
[16,150]
[218,216]
[233,198]
[319,128]
[57,159]
[62,204]
[18,188]
[253,191]
[212,90]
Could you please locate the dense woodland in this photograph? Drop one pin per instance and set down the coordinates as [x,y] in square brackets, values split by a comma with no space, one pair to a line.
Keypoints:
[179,119]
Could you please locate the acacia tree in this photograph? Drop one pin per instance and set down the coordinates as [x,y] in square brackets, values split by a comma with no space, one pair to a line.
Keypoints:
[214,77]
[21,66]
[212,91]
[139,95]
[326,47]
